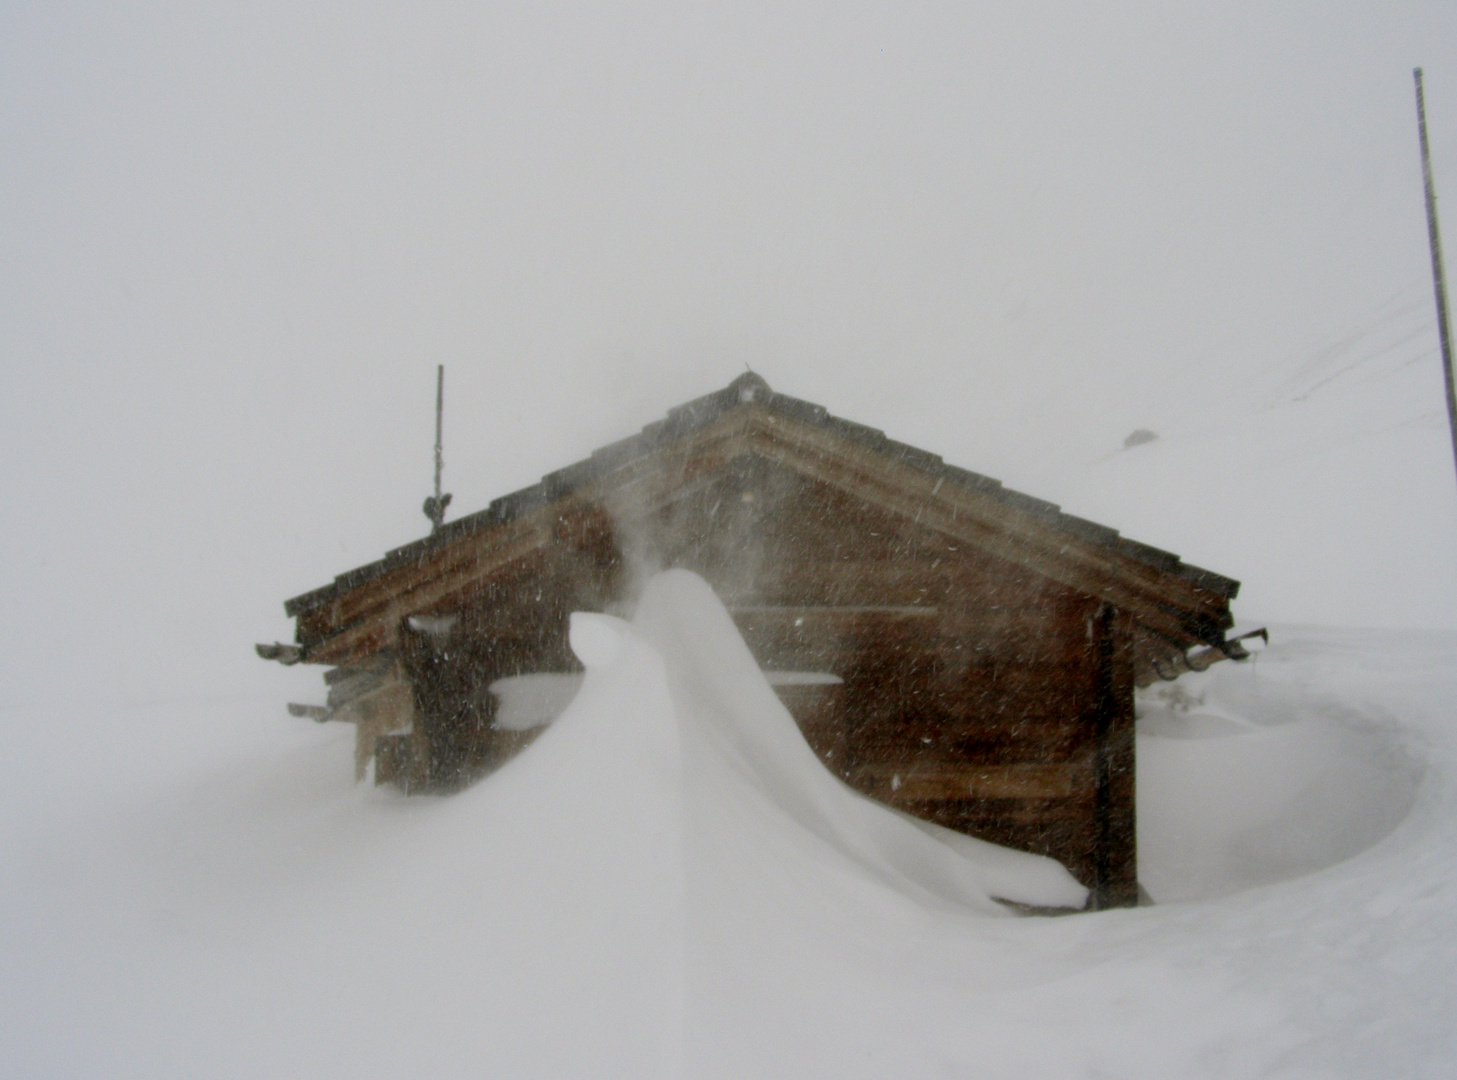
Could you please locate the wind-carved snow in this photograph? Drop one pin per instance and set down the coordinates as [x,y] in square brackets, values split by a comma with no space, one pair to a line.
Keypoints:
[1259,788]
[533,700]
[536,699]
[734,725]
[666,883]
[739,744]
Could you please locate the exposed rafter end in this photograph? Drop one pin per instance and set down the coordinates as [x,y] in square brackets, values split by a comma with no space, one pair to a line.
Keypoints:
[284,654]
[1233,650]
[1171,666]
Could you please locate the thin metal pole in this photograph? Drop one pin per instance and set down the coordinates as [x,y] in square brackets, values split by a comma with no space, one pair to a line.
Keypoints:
[1439,280]
[435,505]
[440,404]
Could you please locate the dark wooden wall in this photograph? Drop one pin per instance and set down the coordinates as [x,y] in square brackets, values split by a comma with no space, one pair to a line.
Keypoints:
[974,693]
[514,624]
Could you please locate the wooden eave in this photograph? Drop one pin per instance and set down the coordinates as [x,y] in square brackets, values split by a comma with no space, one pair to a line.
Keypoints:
[360,612]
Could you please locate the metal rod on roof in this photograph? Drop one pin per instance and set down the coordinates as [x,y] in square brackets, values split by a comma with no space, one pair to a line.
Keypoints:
[436,504]
[1439,281]
[439,418]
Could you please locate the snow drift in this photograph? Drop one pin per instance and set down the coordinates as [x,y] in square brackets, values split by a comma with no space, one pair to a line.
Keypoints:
[734,725]
[1258,785]
[669,883]
[636,896]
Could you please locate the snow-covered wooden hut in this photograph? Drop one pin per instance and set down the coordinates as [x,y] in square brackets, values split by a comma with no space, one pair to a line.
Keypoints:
[960,651]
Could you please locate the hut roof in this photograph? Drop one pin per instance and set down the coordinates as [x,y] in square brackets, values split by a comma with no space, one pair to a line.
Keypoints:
[1183,603]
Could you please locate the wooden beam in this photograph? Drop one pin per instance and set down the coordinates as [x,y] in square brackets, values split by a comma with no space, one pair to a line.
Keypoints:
[943,781]
[378,626]
[1115,854]
[364,619]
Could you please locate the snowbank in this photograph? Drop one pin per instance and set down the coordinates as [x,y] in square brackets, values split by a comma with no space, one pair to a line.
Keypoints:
[732,720]
[1236,793]
[636,896]
[534,700]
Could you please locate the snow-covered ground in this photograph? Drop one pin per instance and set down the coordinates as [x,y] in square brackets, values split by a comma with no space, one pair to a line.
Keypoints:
[239,239]
[660,887]
[667,884]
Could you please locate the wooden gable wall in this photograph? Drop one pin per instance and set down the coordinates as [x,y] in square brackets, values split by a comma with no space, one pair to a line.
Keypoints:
[987,647]
[976,693]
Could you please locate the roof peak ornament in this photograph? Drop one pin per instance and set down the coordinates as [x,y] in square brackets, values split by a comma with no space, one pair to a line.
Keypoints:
[750,386]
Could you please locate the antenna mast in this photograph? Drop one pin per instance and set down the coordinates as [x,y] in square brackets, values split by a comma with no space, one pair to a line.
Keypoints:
[1439,281]
[435,505]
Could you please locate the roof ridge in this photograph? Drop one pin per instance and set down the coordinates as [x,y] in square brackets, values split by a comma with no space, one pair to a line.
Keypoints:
[751,389]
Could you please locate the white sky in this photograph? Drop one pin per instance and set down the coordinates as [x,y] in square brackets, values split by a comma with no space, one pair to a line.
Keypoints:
[235,240]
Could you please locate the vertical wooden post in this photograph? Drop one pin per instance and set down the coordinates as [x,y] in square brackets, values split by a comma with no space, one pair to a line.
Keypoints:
[1439,281]
[1115,857]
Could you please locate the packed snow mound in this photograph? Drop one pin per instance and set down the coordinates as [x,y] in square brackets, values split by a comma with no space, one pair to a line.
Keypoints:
[534,700]
[1240,785]
[731,721]
[621,901]
[1236,788]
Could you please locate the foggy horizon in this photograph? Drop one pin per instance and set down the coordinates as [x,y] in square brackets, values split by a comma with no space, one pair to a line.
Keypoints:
[239,241]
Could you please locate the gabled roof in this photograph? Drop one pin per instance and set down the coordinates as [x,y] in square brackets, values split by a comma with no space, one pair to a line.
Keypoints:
[817,434]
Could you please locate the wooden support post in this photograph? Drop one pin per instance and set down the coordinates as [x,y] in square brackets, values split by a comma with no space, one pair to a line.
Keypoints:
[388,710]
[1115,860]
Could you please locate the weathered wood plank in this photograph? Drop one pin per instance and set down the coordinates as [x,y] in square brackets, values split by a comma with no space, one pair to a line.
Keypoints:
[919,782]
[1115,842]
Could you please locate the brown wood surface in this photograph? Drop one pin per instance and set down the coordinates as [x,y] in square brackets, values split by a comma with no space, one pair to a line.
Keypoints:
[1164,602]
[987,677]
[990,525]
[919,781]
